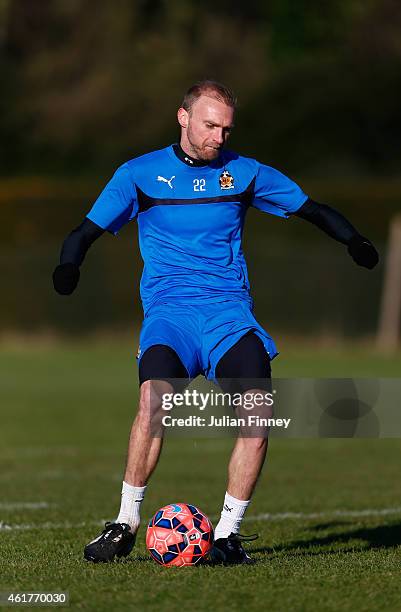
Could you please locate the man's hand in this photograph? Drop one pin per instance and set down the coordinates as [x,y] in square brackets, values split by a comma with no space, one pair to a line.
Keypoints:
[65,278]
[363,252]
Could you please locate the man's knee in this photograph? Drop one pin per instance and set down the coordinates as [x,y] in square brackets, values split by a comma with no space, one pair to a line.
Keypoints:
[150,413]
[151,395]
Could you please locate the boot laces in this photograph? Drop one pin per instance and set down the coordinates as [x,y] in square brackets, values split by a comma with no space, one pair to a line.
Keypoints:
[235,540]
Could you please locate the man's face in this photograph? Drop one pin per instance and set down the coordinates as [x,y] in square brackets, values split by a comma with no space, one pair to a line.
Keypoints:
[206,128]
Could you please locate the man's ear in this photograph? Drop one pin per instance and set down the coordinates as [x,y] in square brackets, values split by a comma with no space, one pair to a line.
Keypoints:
[183,117]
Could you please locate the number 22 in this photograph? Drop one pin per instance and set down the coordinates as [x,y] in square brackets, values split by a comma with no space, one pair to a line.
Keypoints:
[199,184]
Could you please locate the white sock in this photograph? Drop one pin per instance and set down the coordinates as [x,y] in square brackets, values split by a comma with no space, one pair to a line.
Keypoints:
[231,516]
[131,500]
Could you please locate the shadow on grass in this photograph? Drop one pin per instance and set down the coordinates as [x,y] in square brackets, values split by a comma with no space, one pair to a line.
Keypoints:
[362,539]
[353,540]
[204,563]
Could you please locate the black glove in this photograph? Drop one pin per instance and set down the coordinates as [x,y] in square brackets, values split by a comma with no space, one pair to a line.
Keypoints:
[363,252]
[65,278]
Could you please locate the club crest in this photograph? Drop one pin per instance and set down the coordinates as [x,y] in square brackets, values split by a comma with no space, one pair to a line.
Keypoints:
[226,180]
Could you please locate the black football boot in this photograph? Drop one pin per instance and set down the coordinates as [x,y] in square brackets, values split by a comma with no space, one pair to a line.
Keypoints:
[116,540]
[230,551]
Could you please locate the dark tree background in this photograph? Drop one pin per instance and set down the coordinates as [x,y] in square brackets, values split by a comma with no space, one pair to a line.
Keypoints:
[86,84]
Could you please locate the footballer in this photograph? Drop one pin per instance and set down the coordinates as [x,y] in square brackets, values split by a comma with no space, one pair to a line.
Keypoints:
[190,201]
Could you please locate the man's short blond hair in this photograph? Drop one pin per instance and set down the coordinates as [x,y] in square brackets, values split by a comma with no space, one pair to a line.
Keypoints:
[210,88]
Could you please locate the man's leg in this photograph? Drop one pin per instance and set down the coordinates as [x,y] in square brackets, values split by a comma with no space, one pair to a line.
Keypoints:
[248,366]
[144,449]
[246,462]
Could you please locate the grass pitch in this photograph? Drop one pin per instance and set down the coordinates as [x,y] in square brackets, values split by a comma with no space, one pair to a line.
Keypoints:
[328,512]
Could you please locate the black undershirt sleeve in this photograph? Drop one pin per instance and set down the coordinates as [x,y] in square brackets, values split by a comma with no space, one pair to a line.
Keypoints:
[77,243]
[328,219]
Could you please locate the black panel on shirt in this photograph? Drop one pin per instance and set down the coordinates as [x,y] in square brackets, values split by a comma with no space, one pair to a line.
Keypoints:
[146,201]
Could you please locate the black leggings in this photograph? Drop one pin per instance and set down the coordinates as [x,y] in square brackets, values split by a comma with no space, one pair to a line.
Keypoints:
[246,365]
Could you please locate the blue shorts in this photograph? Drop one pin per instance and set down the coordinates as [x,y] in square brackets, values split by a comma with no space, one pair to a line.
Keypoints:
[201,334]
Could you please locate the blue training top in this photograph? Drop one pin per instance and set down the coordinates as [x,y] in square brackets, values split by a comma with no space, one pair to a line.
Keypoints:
[191,220]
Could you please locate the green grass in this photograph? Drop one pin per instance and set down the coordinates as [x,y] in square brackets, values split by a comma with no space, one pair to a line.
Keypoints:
[65,416]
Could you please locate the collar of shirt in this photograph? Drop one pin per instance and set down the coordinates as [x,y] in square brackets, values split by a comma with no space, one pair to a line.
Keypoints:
[187,159]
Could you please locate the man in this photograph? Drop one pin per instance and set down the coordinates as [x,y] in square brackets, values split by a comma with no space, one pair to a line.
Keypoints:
[190,201]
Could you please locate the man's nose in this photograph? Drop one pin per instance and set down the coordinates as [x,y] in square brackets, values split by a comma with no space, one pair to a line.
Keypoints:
[218,136]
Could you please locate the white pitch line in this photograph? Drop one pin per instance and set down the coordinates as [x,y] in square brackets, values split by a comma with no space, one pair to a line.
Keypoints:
[319,515]
[38,451]
[24,505]
[30,527]
[257,517]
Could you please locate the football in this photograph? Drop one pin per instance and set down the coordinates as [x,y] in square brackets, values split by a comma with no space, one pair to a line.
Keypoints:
[179,535]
